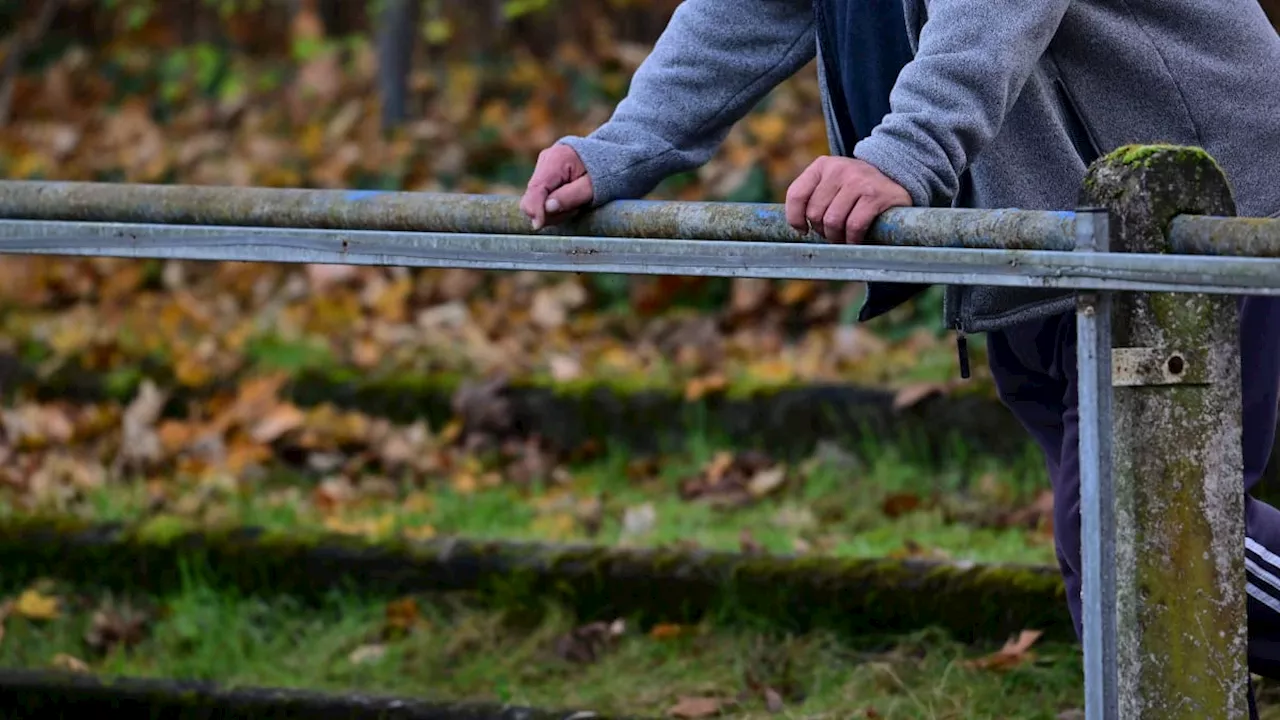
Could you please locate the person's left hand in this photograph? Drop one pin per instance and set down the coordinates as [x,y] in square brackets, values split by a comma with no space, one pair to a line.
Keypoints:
[841,197]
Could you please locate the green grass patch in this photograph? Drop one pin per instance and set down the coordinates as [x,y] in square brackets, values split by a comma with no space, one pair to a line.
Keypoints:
[444,650]
[875,503]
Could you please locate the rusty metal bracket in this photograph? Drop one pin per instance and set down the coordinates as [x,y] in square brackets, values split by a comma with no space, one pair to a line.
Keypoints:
[1132,367]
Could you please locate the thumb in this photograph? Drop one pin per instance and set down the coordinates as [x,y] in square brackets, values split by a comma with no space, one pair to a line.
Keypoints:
[570,197]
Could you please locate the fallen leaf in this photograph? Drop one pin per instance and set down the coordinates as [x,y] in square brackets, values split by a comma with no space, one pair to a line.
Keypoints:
[638,520]
[854,342]
[700,387]
[1014,653]
[668,631]
[34,605]
[280,420]
[458,283]
[734,480]
[464,483]
[766,481]
[1037,514]
[692,708]
[899,504]
[590,514]
[332,494]
[748,544]
[116,625]
[63,661]
[483,407]
[419,532]
[324,277]
[773,701]
[911,395]
[402,616]
[551,305]
[749,295]
[564,368]
[367,654]
[797,291]
[588,643]
[719,465]
[559,526]
[643,469]
[376,528]
[140,442]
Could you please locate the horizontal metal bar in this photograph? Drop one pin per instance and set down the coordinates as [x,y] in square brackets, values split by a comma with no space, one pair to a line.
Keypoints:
[1014,268]
[500,214]
[1207,235]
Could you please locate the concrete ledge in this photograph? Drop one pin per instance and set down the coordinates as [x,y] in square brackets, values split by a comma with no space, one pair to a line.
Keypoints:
[854,596]
[41,694]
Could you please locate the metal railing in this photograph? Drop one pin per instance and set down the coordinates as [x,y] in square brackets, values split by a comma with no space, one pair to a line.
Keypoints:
[1159,395]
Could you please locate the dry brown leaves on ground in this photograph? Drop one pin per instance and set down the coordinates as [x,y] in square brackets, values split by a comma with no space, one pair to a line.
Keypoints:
[733,481]
[588,643]
[1015,652]
[480,129]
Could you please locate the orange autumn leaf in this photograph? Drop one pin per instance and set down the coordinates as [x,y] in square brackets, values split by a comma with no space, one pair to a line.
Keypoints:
[1015,652]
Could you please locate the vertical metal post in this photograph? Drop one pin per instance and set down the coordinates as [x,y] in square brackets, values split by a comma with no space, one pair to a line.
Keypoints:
[1180,636]
[1097,497]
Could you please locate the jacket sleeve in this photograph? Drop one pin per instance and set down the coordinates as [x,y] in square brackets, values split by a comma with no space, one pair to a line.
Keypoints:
[713,63]
[950,101]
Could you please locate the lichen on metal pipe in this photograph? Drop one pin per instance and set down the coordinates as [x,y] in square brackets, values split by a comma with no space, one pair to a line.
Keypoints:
[1210,235]
[480,214]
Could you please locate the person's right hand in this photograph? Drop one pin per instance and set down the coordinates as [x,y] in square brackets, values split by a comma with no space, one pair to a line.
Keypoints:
[559,186]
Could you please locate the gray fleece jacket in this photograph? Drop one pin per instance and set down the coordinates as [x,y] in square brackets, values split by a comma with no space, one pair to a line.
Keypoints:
[1005,89]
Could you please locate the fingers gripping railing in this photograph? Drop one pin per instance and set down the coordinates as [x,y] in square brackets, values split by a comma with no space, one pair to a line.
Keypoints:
[1159,376]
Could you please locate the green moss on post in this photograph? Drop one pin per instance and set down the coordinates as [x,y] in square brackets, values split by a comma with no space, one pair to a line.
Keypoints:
[1181,634]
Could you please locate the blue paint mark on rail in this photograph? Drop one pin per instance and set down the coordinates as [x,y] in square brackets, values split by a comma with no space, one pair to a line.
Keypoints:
[358,195]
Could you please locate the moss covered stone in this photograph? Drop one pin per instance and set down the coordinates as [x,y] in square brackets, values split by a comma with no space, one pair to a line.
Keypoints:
[1180,626]
[32,694]
[650,585]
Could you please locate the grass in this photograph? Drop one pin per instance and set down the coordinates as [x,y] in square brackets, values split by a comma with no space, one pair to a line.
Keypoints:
[442,650]
[873,504]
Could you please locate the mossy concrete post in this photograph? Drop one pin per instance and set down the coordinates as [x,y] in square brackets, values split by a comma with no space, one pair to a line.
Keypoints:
[1177,469]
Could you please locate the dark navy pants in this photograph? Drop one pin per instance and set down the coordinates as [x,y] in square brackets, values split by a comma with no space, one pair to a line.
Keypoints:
[1035,371]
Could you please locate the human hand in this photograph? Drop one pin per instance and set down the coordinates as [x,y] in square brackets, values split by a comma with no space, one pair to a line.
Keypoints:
[559,185]
[841,197]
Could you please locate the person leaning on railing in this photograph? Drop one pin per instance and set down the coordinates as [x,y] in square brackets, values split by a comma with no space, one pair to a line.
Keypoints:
[976,103]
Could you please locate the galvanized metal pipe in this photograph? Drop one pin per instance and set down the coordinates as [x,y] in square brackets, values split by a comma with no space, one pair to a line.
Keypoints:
[500,214]
[1014,268]
[1097,493]
[1209,235]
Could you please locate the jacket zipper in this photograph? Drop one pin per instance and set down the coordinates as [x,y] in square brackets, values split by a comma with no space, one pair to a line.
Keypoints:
[1081,138]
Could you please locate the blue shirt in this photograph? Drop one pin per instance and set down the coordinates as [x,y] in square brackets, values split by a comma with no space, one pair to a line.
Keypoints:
[865,46]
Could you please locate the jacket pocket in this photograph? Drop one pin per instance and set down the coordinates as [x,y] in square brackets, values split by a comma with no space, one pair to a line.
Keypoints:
[1086,147]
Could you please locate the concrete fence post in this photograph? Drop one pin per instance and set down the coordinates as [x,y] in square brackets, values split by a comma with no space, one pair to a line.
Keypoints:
[1177,521]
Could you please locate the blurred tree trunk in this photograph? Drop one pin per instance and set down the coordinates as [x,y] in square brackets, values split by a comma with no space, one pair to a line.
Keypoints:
[397,29]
